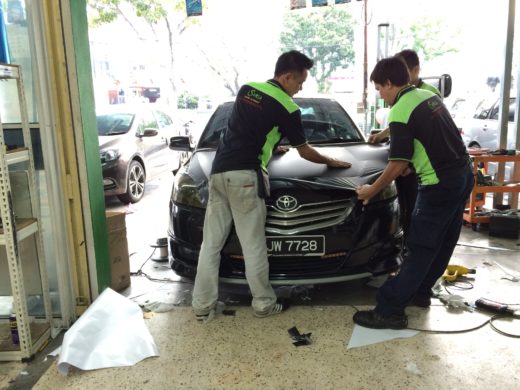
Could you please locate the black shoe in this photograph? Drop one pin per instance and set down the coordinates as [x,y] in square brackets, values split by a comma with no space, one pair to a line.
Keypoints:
[282,304]
[421,300]
[371,319]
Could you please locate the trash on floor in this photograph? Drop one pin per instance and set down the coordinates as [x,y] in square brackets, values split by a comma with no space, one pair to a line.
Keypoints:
[158,307]
[362,336]
[298,338]
[454,301]
[111,333]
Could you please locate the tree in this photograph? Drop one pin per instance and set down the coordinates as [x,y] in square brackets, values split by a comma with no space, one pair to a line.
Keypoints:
[326,35]
[429,38]
[156,17]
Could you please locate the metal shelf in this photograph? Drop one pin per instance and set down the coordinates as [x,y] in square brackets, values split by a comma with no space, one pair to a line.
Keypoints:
[32,334]
[40,334]
[17,156]
[25,227]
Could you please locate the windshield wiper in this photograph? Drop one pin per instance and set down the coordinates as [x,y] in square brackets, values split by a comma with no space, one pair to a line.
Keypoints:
[116,133]
[334,140]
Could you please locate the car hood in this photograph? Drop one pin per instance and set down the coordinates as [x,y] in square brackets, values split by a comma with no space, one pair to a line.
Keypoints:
[368,161]
[107,142]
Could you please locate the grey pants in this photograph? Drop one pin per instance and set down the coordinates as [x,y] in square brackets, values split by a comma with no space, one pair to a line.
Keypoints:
[233,198]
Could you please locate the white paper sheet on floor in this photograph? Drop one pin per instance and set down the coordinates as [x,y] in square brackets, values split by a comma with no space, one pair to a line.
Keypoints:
[362,336]
[111,333]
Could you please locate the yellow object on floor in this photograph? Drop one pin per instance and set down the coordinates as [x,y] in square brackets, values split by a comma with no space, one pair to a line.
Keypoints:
[455,271]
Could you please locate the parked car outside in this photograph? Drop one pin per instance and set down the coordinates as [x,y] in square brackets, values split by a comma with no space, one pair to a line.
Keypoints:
[317,231]
[133,142]
[483,131]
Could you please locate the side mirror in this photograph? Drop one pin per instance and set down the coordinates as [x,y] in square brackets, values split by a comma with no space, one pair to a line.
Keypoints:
[180,143]
[445,85]
[150,133]
[442,83]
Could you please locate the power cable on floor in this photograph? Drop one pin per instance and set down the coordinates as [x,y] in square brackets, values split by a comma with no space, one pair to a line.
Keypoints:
[458,285]
[140,272]
[489,321]
[496,329]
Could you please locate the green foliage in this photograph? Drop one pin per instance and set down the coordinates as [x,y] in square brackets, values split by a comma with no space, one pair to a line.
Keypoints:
[186,100]
[102,11]
[429,38]
[106,11]
[326,35]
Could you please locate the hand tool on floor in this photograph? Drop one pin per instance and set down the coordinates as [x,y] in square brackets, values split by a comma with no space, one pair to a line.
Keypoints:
[453,271]
[494,307]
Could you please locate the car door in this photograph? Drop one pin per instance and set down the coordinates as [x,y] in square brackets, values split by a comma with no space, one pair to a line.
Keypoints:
[489,133]
[152,145]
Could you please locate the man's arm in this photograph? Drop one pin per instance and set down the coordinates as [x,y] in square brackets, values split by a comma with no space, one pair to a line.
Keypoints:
[393,169]
[310,154]
[378,137]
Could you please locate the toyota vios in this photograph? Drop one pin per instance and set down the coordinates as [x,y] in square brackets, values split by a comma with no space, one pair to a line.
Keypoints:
[316,229]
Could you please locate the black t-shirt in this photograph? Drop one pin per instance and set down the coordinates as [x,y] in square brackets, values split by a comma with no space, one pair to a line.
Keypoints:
[262,115]
[423,132]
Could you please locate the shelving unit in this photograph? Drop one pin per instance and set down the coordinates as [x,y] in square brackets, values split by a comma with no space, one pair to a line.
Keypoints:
[470,215]
[17,228]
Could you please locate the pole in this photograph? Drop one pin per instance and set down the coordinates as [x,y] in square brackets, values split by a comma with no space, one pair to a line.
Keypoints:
[365,68]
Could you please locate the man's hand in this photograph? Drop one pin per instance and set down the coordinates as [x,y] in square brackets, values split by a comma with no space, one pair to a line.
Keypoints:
[373,138]
[379,137]
[365,193]
[281,150]
[333,163]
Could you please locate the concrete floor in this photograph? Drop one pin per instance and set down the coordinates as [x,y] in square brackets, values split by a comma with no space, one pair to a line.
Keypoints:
[242,351]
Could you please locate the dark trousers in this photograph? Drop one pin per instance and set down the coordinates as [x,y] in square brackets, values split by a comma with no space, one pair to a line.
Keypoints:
[434,231]
[407,195]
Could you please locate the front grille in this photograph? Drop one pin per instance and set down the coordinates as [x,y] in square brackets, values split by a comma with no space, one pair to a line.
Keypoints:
[307,217]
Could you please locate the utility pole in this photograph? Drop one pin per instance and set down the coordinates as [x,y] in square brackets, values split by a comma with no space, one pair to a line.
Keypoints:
[365,66]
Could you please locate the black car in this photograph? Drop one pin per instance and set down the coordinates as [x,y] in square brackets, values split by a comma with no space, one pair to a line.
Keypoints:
[133,143]
[317,231]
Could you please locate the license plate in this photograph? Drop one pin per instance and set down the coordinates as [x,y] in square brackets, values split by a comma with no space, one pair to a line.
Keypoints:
[296,246]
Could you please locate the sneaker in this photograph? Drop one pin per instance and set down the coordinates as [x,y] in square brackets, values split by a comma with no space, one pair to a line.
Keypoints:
[202,317]
[421,300]
[371,319]
[281,304]
[218,309]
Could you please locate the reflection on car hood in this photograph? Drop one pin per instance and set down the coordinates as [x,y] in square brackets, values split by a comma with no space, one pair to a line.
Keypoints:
[107,142]
[368,161]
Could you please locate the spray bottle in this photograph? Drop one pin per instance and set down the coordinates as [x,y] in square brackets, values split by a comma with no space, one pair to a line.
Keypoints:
[14,326]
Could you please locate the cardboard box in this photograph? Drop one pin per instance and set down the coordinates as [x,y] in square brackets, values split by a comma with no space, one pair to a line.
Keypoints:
[118,248]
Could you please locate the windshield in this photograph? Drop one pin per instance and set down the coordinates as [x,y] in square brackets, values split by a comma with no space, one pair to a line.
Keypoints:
[324,122]
[113,124]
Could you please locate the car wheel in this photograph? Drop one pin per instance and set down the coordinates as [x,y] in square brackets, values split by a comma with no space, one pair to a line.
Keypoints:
[135,184]
[474,145]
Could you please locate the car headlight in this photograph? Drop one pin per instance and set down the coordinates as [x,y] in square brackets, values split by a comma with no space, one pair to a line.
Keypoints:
[109,155]
[185,191]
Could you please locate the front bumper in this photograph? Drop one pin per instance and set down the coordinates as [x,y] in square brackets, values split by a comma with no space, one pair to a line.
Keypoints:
[114,177]
[367,243]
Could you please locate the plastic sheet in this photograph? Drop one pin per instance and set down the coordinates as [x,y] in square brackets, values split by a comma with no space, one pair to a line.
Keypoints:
[111,333]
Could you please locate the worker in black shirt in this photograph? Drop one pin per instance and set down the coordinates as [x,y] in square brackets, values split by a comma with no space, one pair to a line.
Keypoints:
[263,114]
[407,183]
[423,133]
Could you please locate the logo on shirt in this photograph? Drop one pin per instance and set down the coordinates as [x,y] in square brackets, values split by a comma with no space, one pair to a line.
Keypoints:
[433,104]
[254,95]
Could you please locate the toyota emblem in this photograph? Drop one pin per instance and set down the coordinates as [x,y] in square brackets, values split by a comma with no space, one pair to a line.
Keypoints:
[286,203]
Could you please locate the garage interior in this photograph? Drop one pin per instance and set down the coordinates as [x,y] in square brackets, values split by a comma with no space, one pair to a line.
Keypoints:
[451,344]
